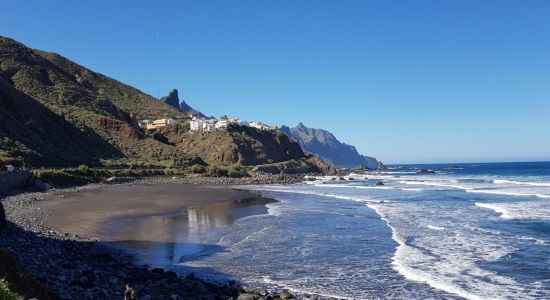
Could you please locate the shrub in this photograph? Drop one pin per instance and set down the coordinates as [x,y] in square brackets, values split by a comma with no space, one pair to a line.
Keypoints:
[216,171]
[6,293]
[197,169]
[237,172]
[61,177]
[83,170]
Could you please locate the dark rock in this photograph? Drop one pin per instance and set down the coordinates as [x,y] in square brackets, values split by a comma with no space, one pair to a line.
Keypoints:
[425,171]
[2,217]
[379,183]
[85,284]
[172,99]
[157,271]
[188,109]
[286,295]
[246,296]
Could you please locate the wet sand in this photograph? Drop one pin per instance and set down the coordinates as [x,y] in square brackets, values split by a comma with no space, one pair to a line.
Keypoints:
[157,223]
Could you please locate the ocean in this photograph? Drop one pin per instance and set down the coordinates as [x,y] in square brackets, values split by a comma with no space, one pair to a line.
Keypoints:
[475,231]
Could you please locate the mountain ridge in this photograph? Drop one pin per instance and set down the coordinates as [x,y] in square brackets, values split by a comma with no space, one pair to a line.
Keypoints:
[324,144]
[54,112]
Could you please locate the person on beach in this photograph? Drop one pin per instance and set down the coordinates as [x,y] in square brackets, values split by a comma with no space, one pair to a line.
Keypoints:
[129,293]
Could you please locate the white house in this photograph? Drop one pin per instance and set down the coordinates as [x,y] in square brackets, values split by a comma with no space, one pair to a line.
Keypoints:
[222,123]
[259,125]
[202,124]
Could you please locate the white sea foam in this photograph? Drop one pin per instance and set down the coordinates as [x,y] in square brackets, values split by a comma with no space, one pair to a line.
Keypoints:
[508,193]
[355,186]
[435,183]
[433,227]
[534,210]
[439,244]
[530,183]
[504,213]
[285,286]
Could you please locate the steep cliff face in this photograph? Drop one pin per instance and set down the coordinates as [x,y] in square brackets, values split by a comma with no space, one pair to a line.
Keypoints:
[327,146]
[172,99]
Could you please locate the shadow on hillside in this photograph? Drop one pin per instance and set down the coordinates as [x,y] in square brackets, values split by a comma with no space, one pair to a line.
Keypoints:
[80,266]
[26,120]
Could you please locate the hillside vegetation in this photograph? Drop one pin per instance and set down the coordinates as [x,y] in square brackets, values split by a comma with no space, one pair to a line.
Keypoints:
[55,113]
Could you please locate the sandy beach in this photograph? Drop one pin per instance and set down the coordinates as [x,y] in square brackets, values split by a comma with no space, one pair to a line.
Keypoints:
[157,223]
[53,232]
[86,212]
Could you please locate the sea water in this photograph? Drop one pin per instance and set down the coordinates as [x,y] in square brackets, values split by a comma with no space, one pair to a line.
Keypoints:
[468,231]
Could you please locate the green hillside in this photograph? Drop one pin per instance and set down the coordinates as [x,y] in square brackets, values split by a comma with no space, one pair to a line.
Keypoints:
[54,112]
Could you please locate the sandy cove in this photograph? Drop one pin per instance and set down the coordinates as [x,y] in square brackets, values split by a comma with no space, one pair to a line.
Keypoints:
[53,237]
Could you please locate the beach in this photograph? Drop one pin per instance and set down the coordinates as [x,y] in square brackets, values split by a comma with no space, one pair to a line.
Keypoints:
[85,212]
[96,237]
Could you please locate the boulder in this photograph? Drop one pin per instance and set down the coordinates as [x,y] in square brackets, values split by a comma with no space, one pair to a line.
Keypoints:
[286,295]
[245,296]
[425,171]
[379,183]
[2,217]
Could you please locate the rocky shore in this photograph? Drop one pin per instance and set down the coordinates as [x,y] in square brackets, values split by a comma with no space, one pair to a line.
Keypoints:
[73,267]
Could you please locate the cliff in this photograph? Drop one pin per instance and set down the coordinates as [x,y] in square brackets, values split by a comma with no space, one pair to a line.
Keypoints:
[324,144]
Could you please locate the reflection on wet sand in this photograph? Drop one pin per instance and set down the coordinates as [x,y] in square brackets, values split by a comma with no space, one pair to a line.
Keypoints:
[162,240]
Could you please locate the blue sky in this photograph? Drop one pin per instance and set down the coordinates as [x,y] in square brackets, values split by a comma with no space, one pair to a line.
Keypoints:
[405,81]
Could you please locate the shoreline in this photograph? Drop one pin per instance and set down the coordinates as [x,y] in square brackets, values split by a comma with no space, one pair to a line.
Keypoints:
[86,212]
[74,266]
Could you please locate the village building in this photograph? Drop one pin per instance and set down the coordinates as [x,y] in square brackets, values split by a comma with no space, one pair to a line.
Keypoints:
[259,125]
[159,123]
[223,123]
[201,124]
[143,124]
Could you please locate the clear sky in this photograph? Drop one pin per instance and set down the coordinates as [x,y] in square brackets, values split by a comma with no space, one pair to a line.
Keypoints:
[404,81]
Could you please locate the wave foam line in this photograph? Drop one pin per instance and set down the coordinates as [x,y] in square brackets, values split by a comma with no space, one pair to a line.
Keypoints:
[497,192]
[504,213]
[403,251]
[504,181]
